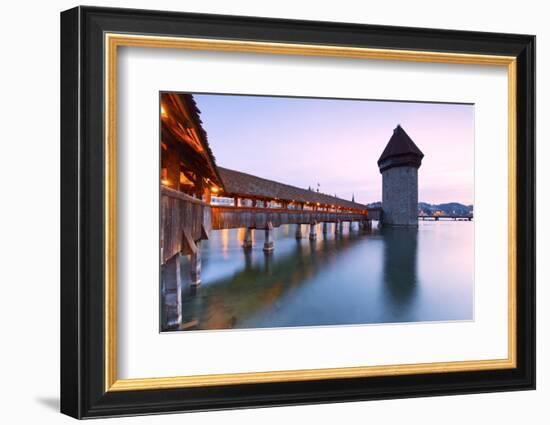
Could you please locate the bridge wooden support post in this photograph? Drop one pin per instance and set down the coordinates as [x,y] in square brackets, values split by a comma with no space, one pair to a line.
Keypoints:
[351,226]
[268,242]
[298,231]
[172,288]
[366,224]
[325,227]
[196,264]
[247,242]
[312,231]
[337,227]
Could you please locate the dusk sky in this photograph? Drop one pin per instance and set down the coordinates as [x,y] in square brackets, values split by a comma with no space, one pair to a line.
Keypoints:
[336,143]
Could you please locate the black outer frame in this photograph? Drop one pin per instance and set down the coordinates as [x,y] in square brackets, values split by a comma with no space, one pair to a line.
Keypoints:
[82,212]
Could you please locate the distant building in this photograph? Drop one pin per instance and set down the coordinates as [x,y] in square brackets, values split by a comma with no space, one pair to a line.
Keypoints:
[399,164]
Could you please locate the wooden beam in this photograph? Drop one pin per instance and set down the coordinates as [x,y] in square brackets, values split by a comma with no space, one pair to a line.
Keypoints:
[204,233]
[188,243]
[207,195]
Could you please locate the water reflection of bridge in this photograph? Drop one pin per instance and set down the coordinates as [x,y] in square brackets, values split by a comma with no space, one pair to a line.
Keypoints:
[261,284]
[267,289]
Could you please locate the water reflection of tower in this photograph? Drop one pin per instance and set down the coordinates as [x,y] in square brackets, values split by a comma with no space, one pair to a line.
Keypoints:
[400,270]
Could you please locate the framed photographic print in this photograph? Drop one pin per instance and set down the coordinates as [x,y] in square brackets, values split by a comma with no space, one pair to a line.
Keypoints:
[262,212]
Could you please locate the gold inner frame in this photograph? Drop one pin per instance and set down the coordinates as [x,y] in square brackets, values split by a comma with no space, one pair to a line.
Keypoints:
[113,41]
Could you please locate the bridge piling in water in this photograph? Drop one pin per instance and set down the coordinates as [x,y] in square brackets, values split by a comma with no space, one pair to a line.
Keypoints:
[268,242]
[325,227]
[312,231]
[366,225]
[196,264]
[247,241]
[298,231]
[172,288]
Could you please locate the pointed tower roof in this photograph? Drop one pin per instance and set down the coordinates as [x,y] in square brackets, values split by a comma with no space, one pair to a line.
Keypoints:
[400,151]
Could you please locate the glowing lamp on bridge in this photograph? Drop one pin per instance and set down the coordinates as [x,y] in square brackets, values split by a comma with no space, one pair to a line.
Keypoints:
[214,189]
[164,177]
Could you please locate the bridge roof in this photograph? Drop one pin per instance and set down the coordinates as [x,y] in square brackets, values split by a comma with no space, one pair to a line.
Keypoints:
[182,129]
[237,183]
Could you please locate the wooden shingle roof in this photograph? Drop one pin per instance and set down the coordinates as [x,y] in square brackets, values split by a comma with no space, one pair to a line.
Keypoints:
[400,151]
[400,144]
[237,183]
[182,129]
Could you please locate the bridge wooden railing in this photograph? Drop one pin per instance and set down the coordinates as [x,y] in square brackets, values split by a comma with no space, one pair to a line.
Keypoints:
[224,217]
[184,220]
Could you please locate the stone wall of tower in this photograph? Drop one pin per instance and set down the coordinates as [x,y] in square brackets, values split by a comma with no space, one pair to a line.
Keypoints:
[400,196]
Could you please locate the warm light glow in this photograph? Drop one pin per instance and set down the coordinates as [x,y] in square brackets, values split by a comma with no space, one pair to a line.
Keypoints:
[214,189]
[163,111]
[225,242]
[184,180]
[164,177]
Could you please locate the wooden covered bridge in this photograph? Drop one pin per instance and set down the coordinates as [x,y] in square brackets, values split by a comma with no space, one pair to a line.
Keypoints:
[198,196]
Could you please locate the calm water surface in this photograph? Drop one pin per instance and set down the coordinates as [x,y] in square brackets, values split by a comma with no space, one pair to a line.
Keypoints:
[382,276]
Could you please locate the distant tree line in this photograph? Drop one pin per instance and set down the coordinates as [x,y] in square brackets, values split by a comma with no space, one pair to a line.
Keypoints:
[449,208]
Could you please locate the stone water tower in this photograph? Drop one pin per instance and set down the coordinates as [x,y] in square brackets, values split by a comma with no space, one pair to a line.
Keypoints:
[399,165]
